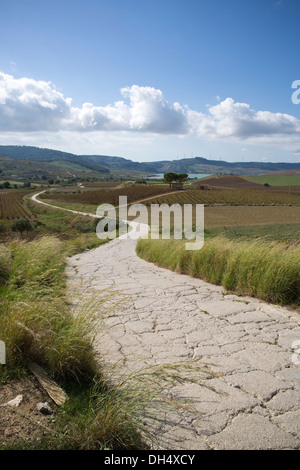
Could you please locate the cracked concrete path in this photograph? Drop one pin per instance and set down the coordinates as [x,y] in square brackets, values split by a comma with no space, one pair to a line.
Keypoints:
[160,317]
[165,317]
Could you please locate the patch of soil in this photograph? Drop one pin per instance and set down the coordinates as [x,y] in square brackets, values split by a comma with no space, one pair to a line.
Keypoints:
[24,422]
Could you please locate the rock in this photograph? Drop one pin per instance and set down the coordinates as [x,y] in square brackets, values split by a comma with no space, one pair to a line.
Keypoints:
[44,408]
[54,391]
[15,402]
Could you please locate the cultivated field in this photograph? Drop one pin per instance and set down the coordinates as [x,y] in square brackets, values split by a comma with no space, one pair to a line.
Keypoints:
[234,216]
[227,197]
[12,204]
[223,207]
[282,183]
[109,196]
[101,184]
[277,178]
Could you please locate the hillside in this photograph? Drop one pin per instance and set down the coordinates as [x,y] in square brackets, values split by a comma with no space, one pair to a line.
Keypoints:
[277,184]
[50,161]
[34,162]
[277,178]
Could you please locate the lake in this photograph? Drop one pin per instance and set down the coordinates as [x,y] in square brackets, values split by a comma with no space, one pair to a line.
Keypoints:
[191,175]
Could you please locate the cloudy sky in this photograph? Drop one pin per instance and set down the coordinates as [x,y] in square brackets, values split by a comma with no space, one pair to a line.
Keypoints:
[152,79]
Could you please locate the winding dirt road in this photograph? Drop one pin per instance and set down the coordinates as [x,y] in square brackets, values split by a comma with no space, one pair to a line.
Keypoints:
[163,317]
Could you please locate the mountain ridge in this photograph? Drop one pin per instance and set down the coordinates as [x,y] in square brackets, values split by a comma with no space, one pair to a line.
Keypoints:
[105,164]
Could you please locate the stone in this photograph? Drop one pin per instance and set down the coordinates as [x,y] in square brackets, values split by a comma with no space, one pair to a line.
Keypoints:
[15,402]
[44,408]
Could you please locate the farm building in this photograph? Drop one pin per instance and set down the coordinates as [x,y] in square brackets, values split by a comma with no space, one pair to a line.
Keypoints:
[202,186]
[177,186]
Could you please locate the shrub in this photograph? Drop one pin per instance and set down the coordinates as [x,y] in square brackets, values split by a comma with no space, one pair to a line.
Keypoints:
[22,225]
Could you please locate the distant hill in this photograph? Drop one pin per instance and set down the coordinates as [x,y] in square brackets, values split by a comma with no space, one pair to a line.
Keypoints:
[58,162]
[47,155]
[203,165]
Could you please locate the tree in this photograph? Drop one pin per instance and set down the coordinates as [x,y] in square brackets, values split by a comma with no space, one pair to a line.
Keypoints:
[22,225]
[6,184]
[170,177]
[181,177]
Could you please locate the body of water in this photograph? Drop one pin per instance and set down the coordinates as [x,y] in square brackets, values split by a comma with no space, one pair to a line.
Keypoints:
[191,175]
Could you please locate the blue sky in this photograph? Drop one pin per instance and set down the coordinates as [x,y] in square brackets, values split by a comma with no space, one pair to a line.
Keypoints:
[152,80]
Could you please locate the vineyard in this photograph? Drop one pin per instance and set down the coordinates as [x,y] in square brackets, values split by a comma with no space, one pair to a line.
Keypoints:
[109,196]
[227,197]
[12,205]
[101,184]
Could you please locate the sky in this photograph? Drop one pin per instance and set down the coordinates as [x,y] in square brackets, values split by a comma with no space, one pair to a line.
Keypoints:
[152,79]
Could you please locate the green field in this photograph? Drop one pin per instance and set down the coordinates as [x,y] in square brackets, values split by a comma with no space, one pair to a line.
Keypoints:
[275,180]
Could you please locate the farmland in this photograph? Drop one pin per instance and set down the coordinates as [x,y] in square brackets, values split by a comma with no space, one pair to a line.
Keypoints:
[223,207]
[278,182]
[279,178]
[236,216]
[159,194]
[228,197]
[133,193]
[12,204]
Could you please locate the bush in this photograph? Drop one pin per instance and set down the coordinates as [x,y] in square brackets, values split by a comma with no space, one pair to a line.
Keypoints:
[22,225]
[3,227]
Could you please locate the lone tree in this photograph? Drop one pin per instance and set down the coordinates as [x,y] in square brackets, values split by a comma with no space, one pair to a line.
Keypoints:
[170,177]
[22,225]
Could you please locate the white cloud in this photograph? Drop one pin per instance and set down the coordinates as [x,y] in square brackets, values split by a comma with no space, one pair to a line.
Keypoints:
[150,112]
[28,105]
[238,120]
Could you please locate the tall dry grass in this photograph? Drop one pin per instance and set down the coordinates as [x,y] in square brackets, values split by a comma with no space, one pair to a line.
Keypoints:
[35,321]
[259,268]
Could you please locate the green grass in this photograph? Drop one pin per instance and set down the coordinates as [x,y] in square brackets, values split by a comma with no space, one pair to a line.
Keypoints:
[275,180]
[258,268]
[66,225]
[35,321]
[87,208]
